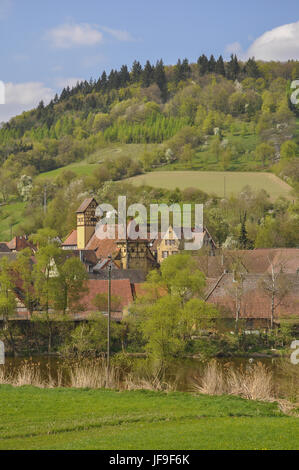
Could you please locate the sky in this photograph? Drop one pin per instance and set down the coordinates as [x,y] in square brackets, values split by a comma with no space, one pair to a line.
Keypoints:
[49,44]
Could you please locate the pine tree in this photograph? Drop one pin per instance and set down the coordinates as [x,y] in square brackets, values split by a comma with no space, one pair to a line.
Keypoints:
[114,80]
[233,67]
[63,95]
[178,72]
[160,79]
[251,68]
[147,75]
[136,71]
[185,69]
[104,81]
[203,64]
[212,64]
[124,76]
[219,68]
[243,238]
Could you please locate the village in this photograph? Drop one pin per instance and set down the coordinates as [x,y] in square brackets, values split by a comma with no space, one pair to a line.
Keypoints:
[149,228]
[233,277]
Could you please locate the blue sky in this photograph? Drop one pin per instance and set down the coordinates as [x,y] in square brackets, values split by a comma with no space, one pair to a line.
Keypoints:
[48,44]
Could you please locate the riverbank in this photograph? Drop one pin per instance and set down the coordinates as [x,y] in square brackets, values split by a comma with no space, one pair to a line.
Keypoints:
[33,418]
[239,375]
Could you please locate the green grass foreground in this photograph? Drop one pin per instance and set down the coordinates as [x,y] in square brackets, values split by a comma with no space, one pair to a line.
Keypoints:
[32,418]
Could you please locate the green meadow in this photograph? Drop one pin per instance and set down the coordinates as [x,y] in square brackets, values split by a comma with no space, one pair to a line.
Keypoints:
[33,418]
[218,182]
[10,216]
[87,165]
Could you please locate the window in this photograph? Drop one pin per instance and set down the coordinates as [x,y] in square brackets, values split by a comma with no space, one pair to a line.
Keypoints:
[164,254]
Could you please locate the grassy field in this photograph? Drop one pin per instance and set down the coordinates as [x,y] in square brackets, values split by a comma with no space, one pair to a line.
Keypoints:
[32,418]
[87,165]
[217,182]
[10,214]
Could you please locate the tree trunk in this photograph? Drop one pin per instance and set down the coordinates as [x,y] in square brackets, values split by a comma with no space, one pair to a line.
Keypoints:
[272,310]
[49,336]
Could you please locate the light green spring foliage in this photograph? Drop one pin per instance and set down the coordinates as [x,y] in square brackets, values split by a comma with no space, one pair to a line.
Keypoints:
[172,309]
[7,297]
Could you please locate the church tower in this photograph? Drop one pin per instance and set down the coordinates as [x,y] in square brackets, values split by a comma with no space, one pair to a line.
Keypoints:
[135,254]
[86,222]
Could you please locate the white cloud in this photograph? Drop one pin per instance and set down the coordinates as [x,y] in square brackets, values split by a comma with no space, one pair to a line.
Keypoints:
[281,43]
[120,35]
[21,97]
[69,35]
[5,8]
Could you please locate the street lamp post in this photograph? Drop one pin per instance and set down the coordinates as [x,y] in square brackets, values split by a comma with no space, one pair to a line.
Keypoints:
[109,320]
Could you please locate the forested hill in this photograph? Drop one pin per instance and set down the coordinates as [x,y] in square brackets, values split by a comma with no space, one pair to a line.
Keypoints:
[209,115]
[154,103]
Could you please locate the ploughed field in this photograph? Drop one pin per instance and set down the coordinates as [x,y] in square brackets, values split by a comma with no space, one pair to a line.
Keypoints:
[63,418]
[219,182]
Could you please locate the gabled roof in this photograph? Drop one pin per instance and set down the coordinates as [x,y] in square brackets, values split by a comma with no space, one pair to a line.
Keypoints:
[104,263]
[71,239]
[85,204]
[178,235]
[254,301]
[18,243]
[261,259]
[102,248]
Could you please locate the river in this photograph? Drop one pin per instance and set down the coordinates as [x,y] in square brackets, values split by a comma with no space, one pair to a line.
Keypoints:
[183,372]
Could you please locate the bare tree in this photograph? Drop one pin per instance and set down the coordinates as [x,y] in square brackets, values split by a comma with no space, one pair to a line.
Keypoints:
[276,285]
[236,291]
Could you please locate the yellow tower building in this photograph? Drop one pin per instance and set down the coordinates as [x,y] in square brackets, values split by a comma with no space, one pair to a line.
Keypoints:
[86,222]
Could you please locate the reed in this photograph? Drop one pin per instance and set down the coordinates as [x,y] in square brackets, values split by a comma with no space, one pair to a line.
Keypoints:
[254,382]
[211,381]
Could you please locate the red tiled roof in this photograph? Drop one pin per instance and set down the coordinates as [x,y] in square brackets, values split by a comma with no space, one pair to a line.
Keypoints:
[71,239]
[18,243]
[102,248]
[259,260]
[120,288]
[85,204]
[211,266]
[256,261]
[255,302]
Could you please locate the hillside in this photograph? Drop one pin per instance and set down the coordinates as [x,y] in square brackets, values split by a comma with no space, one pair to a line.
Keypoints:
[210,116]
[221,183]
[221,111]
